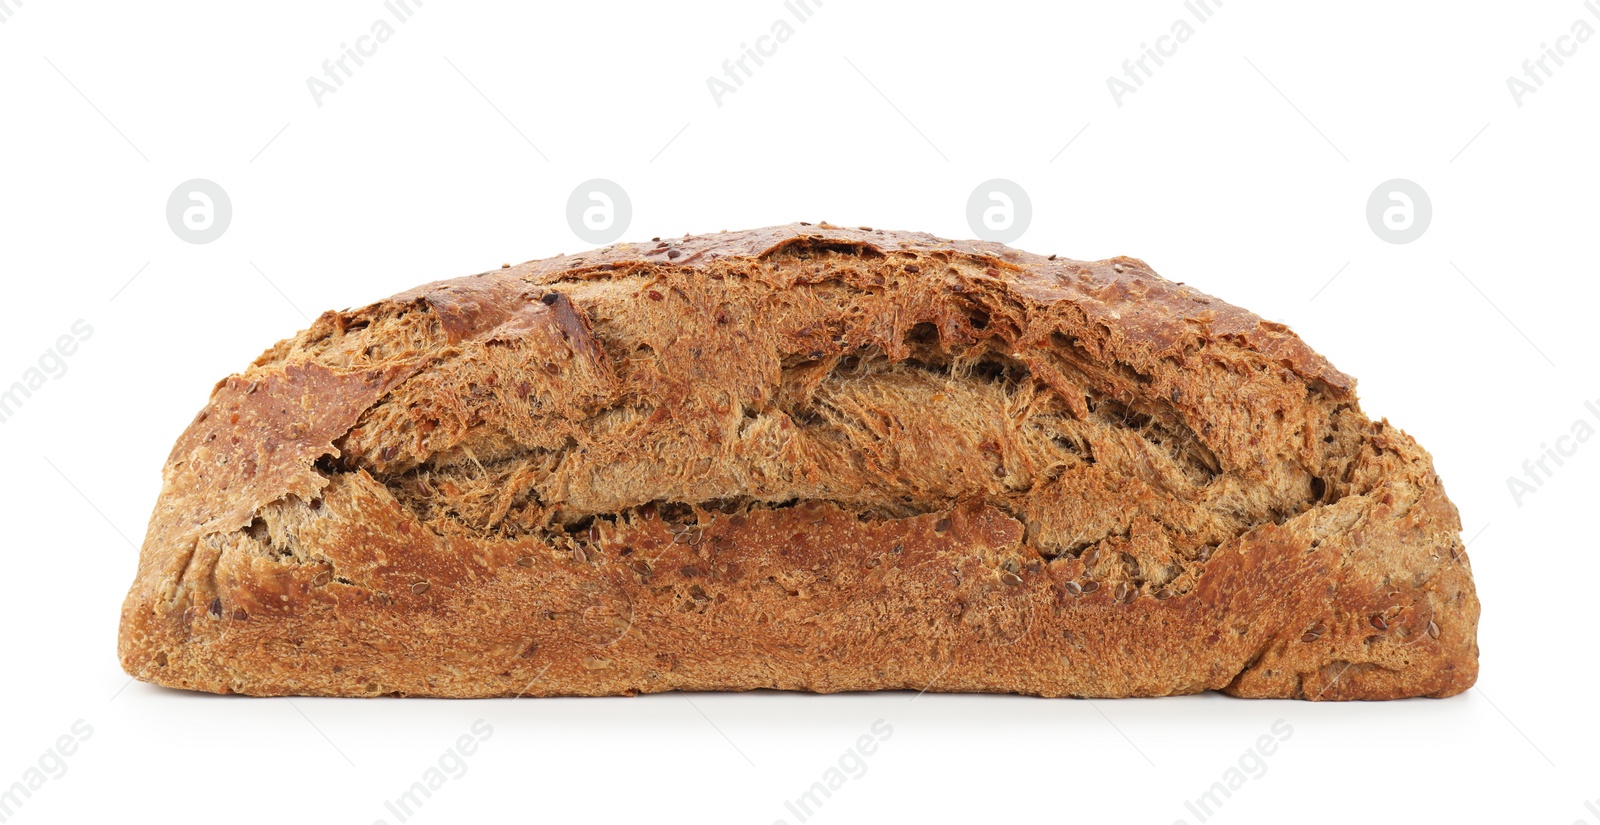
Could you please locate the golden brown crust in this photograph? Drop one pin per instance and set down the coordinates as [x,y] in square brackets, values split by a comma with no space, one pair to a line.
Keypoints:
[801,457]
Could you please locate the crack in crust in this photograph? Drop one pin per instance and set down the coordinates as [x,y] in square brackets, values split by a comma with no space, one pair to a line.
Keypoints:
[1136,444]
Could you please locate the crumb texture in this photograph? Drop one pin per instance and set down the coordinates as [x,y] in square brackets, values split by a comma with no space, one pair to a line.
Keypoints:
[805,458]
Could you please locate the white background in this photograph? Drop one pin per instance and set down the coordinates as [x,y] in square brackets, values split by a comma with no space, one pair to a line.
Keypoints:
[1242,167]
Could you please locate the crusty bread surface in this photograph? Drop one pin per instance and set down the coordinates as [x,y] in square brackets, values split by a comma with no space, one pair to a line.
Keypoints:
[808,458]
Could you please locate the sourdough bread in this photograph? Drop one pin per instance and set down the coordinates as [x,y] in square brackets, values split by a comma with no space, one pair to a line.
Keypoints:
[807,458]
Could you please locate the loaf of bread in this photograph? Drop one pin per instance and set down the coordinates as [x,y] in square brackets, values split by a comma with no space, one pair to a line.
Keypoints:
[806,458]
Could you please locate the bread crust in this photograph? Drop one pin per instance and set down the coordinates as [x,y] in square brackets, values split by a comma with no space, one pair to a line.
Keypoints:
[808,458]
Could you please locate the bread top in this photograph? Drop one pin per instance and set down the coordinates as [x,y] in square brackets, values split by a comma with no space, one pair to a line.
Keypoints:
[1150,312]
[889,373]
